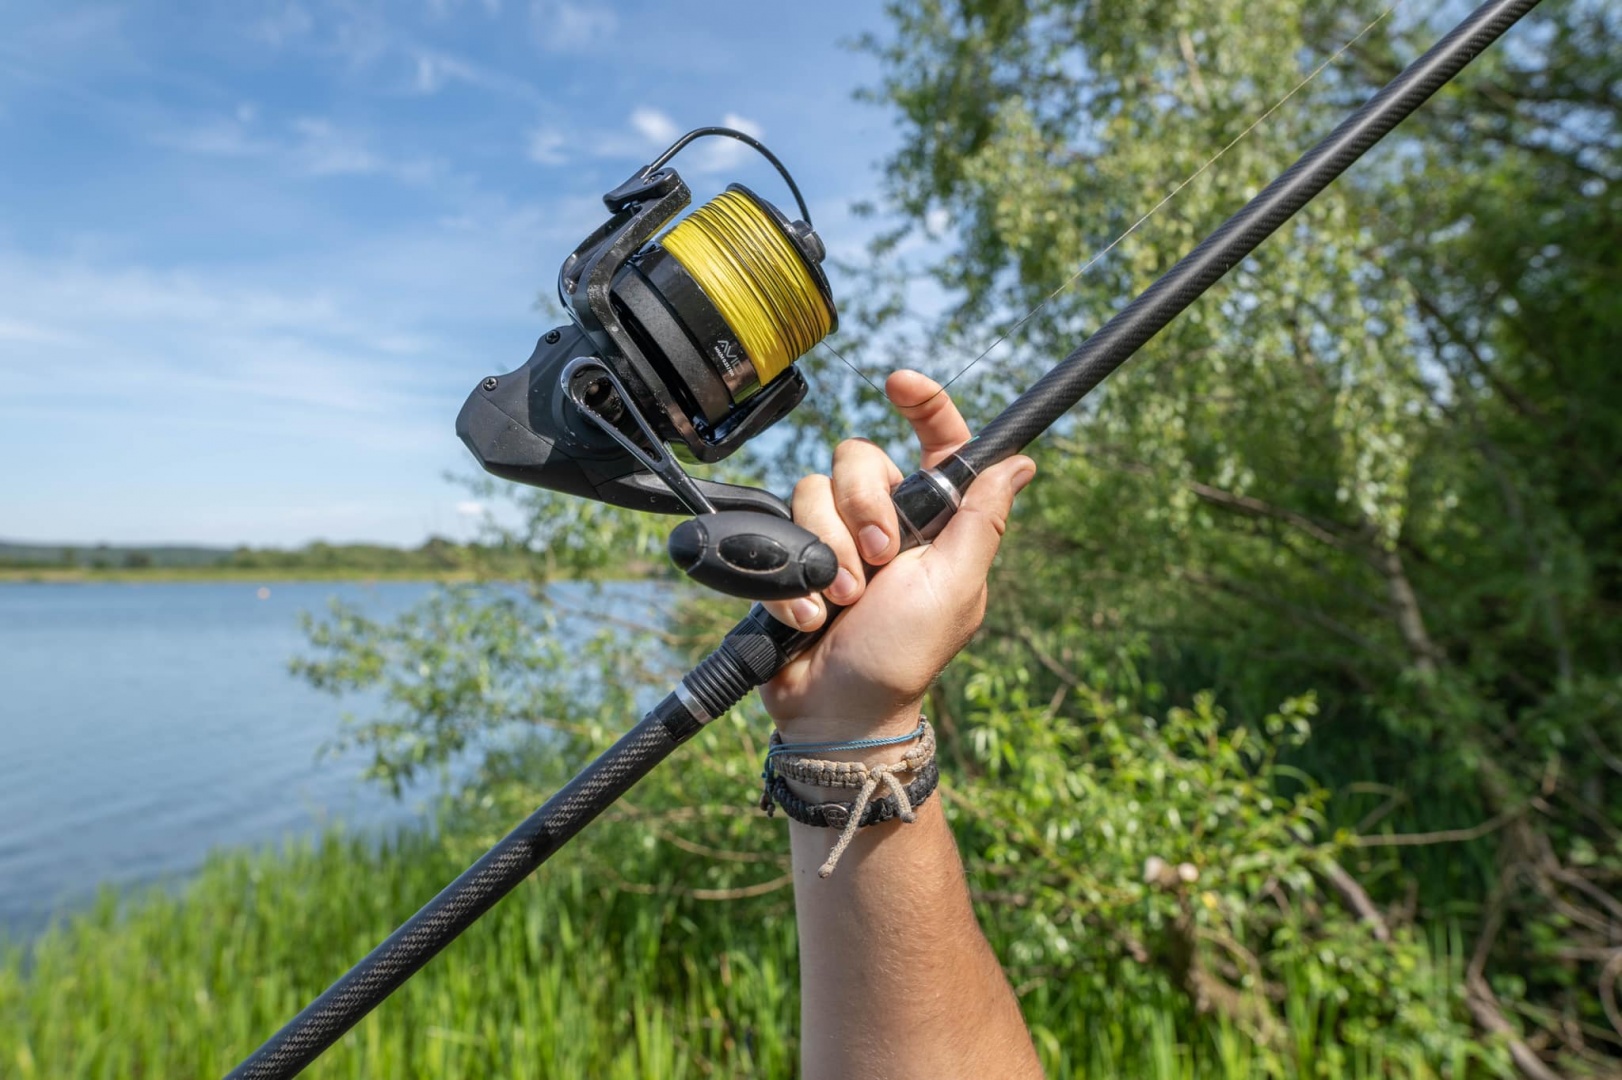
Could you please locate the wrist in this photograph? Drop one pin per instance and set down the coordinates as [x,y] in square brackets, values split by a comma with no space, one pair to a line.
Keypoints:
[894,748]
[819,790]
[817,726]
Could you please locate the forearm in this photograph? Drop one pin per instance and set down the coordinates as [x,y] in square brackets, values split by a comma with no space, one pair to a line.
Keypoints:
[897,980]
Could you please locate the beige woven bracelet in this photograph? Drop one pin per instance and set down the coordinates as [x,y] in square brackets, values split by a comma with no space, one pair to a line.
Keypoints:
[845,775]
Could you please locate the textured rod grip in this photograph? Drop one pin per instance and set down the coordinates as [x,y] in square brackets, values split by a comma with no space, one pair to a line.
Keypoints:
[421,937]
[755,556]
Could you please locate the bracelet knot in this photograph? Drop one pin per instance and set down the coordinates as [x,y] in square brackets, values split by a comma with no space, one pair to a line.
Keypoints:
[787,762]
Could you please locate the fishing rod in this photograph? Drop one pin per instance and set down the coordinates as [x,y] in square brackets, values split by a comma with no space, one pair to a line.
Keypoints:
[687,342]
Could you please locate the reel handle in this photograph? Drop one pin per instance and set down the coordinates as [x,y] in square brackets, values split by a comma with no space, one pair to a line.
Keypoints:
[752,555]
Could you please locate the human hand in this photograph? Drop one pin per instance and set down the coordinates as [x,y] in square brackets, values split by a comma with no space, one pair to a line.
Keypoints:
[867,676]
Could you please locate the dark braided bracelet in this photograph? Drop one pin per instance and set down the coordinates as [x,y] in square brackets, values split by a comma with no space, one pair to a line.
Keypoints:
[836,815]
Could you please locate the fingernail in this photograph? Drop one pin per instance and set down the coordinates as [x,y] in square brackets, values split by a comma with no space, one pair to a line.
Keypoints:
[873,541]
[804,611]
[844,586]
[1023,477]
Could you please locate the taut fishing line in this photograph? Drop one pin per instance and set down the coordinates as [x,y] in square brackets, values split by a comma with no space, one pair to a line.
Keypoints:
[1136,225]
[684,346]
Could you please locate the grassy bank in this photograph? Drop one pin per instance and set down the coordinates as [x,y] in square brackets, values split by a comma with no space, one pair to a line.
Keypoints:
[558,981]
[568,977]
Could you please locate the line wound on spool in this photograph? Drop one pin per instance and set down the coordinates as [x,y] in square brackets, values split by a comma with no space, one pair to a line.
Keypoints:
[754,275]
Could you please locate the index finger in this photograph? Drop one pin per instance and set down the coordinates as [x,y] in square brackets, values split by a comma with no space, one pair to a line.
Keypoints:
[941,429]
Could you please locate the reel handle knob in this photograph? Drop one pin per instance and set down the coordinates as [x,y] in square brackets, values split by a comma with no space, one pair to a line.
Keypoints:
[753,555]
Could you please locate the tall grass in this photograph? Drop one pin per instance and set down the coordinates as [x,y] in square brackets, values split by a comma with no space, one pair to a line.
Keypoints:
[559,980]
[565,978]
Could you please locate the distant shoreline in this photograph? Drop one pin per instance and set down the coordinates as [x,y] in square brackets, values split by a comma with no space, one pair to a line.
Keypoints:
[227,576]
[246,576]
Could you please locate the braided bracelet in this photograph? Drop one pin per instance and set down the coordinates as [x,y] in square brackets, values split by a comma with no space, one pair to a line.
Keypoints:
[783,764]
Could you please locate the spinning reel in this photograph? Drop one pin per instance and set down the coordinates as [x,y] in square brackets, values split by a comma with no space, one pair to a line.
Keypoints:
[680,344]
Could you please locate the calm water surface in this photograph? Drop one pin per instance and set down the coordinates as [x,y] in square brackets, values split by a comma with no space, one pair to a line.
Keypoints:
[142,725]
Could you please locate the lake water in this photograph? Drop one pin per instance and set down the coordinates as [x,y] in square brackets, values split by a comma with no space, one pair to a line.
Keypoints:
[143,724]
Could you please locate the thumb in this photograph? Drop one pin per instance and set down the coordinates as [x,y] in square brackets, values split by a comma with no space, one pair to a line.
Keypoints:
[970,540]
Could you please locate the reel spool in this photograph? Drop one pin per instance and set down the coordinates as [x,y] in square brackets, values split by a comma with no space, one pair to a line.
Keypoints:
[684,341]
[740,285]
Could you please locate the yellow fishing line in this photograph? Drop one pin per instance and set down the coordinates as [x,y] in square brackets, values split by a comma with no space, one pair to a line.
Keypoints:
[755,277]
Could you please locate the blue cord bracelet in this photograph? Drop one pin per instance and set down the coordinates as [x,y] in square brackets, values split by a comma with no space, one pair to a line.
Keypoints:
[777,748]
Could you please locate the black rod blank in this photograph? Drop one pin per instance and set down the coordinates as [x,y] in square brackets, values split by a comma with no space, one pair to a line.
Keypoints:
[600,783]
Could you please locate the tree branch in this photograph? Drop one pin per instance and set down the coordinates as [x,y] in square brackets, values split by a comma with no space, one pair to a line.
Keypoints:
[1484,1007]
[1444,836]
[1357,898]
[1330,533]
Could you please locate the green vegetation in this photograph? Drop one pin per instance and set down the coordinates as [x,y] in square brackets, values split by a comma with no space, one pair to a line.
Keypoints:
[565,979]
[643,955]
[1291,745]
[436,559]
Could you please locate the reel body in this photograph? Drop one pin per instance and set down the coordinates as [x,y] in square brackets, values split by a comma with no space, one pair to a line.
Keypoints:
[678,344]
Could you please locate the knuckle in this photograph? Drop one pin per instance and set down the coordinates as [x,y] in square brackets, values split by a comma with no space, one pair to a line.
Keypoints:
[853,452]
[809,486]
[844,549]
[997,521]
[867,498]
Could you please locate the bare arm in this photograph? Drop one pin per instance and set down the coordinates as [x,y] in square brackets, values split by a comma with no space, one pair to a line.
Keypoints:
[897,980]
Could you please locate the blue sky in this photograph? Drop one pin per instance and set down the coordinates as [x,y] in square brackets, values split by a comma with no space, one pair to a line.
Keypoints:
[254,255]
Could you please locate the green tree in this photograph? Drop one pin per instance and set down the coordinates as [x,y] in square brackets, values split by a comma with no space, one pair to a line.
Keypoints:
[1372,477]
[1380,461]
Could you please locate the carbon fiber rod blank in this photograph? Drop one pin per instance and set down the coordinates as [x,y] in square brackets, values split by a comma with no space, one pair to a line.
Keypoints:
[759,646]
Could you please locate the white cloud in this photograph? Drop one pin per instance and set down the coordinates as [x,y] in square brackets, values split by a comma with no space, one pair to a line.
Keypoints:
[73,31]
[649,130]
[470,508]
[310,146]
[434,70]
[654,126]
[283,25]
[237,393]
[560,26]
[725,155]
[283,360]
[442,8]
[217,138]
[546,146]
[15,330]
[364,332]
[323,150]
